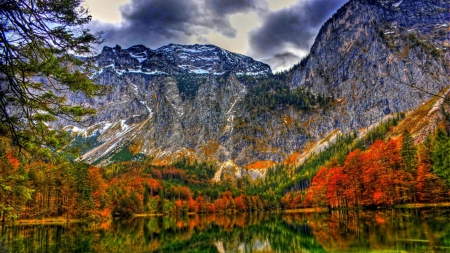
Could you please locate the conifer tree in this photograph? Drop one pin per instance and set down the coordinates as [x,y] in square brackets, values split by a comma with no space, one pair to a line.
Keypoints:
[440,156]
[160,203]
[37,68]
[146,196]
[409,152]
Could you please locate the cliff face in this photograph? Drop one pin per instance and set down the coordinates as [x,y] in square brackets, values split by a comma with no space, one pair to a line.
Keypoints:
[378,57]
[373,57]
[185,100]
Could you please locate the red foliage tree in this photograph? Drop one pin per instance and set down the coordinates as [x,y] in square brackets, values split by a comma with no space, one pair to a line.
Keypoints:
[192,205]
[316,194]
[239,203]
[373,177]
[337,188]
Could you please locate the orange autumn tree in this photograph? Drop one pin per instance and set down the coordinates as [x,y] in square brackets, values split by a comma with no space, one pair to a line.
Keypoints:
[99,194]
[239,203]
[316,194]
[371,178]
[354,169]
[338,188]
[386,171]
[127,192]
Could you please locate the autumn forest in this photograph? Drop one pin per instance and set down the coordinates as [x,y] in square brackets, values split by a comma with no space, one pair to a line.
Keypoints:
[382,169]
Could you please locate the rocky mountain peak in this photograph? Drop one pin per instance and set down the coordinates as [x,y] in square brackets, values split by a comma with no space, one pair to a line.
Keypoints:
[175,59]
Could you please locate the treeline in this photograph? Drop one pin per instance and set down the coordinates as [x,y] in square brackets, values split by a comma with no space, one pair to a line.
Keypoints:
[39,189]
[58,188]
[177,189]
[389,173]
[353,172]
[274,94]
[188,84]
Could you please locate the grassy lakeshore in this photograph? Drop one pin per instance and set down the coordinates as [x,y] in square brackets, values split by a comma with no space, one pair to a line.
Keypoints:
[307,210]
[423,205]
[43,221]
[148,214]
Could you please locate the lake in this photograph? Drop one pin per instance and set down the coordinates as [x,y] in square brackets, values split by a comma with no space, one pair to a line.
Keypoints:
[412,230]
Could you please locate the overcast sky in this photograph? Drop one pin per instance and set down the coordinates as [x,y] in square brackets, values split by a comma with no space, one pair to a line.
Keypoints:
[278,32]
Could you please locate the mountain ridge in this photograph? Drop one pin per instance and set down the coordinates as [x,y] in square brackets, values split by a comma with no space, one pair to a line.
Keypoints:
[175,59]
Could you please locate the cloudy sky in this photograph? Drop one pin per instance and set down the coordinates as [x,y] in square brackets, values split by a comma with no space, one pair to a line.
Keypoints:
[278,32]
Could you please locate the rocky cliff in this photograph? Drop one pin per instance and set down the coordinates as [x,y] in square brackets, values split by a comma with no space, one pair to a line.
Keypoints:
[371,59]
[379,57]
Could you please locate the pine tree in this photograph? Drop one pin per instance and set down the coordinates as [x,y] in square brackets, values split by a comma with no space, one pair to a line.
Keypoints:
[145,197]
[409,152]
[160,203]
[441,155]
[37,68]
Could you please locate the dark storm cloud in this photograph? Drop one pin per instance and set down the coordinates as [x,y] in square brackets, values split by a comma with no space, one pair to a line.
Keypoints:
[282,61]
[159,22]
[153,23]
[223,7]
[291,29]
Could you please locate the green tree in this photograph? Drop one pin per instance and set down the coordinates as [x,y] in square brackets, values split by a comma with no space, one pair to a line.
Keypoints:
[146,196]
[441,155]
[160,203]
[37,68]
[409,152]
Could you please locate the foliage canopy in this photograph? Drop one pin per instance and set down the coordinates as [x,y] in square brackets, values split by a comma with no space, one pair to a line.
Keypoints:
[38,69]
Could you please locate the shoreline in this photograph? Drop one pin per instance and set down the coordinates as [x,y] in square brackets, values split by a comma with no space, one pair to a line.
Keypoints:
[147,215]
[43,221]
[63,220]
[306,210]
[422,205]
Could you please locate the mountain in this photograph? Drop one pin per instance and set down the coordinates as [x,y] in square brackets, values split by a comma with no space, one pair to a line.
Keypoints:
[372,59]
[378,57]
[178,59]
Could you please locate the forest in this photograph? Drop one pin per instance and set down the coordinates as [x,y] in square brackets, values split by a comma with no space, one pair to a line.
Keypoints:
[377,170]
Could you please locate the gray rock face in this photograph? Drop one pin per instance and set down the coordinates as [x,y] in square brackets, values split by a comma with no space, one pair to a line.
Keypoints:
[369,56]
[376,57]
[213,125]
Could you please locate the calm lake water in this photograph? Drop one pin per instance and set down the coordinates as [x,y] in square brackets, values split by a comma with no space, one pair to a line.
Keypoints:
[364,231]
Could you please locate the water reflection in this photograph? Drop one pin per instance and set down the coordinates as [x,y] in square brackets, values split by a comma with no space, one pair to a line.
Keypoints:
[365,231]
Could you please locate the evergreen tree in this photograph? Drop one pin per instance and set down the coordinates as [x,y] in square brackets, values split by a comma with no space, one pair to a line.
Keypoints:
[160,203]
[409,152]
[145,197]
[37,68]
[441,155]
